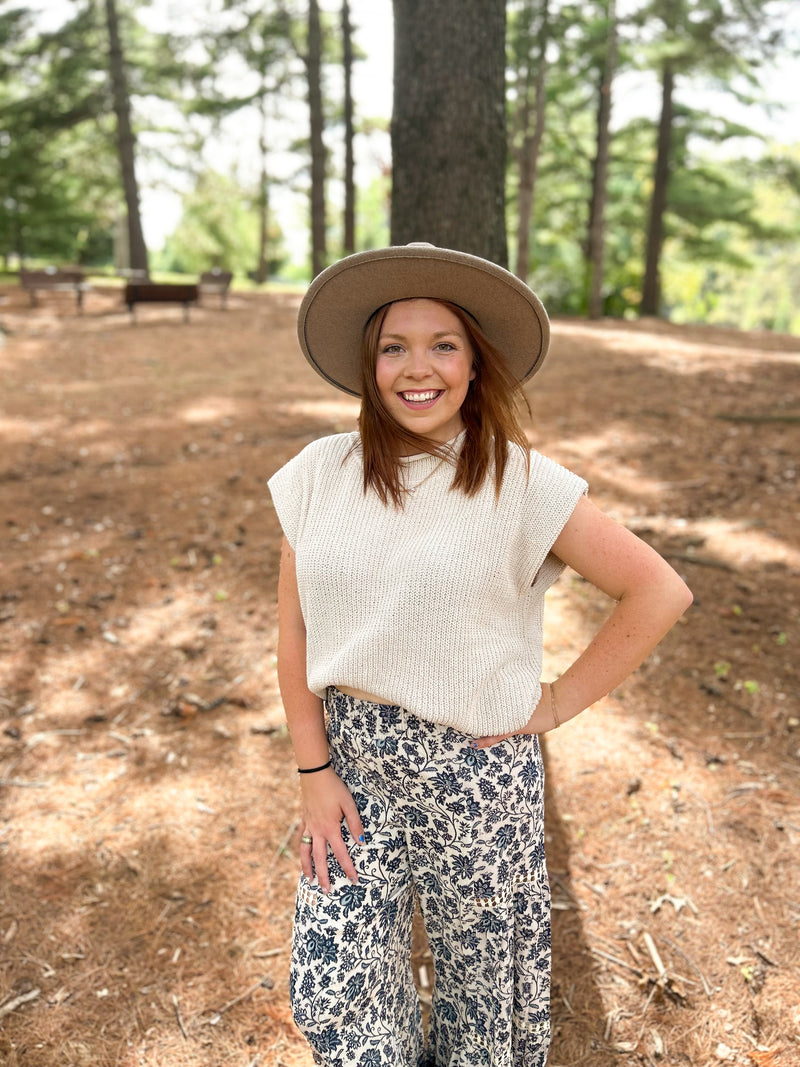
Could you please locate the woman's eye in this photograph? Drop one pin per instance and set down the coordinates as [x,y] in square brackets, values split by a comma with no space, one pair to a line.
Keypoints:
[390,350]
[445,346]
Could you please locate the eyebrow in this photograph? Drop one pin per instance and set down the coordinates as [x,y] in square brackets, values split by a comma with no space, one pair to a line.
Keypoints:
[439,334]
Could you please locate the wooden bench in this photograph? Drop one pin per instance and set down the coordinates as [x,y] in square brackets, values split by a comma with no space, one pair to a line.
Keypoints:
[160,293]
[216,281]
[52,279]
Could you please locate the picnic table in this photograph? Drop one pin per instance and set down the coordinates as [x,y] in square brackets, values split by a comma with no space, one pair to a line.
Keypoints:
[54,279]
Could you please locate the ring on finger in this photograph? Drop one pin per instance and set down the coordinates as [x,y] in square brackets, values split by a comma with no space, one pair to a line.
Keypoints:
[306,839]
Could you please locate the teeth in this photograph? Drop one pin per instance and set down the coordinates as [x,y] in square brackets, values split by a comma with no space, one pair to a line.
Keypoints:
[420,398]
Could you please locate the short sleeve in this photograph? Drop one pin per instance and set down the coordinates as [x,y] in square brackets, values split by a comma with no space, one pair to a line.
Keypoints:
[293,484]
[289,487]
[552,496]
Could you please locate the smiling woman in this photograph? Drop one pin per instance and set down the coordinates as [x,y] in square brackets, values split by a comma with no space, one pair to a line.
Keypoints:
[416,556]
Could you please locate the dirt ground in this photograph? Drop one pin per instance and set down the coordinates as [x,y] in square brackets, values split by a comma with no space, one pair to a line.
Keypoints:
[149,808]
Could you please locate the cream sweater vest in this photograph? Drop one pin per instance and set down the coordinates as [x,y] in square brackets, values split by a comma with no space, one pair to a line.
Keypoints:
[436,608]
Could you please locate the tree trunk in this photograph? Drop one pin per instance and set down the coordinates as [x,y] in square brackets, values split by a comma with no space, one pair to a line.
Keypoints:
[651,289]
[349,165]
[448,125]
[318,155]
[528,156]
[126,143]
[595,244]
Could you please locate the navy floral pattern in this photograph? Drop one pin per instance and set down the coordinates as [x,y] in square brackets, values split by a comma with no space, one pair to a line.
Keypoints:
[462,830]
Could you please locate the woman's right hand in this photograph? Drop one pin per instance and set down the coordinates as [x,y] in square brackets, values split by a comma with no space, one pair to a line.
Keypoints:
[326,801]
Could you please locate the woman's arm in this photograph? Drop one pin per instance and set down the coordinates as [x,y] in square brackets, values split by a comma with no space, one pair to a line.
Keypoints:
[650,598]
[326,799]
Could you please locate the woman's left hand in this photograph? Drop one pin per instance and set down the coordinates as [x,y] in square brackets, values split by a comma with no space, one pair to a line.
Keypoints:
[542,720]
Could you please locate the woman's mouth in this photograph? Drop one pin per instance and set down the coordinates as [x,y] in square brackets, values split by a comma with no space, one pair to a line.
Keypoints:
[420,398]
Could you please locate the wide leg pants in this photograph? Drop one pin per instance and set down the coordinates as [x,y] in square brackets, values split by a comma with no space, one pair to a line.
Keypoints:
[462,830]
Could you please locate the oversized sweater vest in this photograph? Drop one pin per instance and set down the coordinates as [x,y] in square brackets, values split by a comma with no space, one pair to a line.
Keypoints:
[436,607]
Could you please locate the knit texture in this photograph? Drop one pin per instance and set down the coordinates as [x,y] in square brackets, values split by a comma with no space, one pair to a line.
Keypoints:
[437,608]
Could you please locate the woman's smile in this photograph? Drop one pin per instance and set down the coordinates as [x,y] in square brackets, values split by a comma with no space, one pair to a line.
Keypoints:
[418,400]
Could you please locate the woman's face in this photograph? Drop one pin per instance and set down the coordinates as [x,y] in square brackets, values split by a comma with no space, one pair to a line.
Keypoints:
[424,367]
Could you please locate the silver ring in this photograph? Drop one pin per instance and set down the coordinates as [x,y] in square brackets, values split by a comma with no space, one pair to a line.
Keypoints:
[306,839]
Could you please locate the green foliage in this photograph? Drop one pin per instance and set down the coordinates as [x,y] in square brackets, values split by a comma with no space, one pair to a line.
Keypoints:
[219,227]
[60,190]
[754,283]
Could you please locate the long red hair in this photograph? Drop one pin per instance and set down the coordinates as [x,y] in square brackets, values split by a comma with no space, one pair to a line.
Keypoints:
[489,413]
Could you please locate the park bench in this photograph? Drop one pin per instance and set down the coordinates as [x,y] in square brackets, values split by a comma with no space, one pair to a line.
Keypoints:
[52,279]
[216,281]
[160,293]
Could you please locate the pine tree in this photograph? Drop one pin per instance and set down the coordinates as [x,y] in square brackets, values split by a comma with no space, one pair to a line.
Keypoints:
[448,125]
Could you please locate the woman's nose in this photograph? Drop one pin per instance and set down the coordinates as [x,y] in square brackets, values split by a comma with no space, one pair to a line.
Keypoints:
[418,364]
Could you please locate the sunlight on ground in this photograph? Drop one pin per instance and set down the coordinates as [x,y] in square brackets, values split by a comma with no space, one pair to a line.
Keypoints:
[210,409]
[334,409]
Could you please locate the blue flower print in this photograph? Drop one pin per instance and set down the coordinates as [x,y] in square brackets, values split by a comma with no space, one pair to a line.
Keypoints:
[351,897]
[475,758]
[321,947]
[461,830]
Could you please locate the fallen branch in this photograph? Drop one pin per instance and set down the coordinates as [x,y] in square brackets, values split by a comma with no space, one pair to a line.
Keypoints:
[265,983]
[663,982]
[707,989]
[17,1002]
[650,945]
[556,879]
[279,851]
[177,1007]
[615,959]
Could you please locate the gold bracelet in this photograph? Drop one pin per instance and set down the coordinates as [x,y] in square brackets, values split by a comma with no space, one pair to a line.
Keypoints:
[553,705]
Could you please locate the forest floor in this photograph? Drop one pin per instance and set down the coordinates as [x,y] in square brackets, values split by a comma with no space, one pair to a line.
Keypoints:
[148,829]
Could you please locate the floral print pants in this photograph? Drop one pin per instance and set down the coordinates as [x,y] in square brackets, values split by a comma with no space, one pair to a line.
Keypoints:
[461,830]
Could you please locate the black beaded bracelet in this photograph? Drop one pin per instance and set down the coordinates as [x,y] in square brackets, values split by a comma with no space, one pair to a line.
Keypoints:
[313,770]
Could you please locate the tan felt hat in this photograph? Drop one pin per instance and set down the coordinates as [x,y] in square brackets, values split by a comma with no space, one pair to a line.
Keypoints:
[340,301]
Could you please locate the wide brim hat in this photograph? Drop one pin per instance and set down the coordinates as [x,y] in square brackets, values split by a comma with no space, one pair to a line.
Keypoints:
[341,300]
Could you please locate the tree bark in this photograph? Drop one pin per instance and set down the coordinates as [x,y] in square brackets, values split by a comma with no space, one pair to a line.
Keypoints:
[126,142]
[528,156]
[349,164]
[449,126]
[595,244]
[319,250]
[651,289]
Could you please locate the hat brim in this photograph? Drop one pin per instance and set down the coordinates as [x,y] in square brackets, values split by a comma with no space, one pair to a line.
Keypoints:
[340,301]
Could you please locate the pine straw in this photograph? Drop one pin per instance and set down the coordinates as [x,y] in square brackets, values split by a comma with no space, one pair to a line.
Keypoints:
[149,819]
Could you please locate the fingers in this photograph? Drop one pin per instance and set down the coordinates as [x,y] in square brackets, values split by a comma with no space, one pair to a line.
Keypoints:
[345,862]
[314,852]
[305,854]
[487,742]
[354,823]
[319,852]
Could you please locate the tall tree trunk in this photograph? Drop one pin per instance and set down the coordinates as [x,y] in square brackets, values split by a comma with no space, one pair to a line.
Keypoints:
[595,244]
[448,125]
[651,289]
[126,142]
[528,155]
[318,155]
[349,164]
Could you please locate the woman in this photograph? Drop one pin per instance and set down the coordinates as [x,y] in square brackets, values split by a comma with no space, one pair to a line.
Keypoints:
[415,560]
